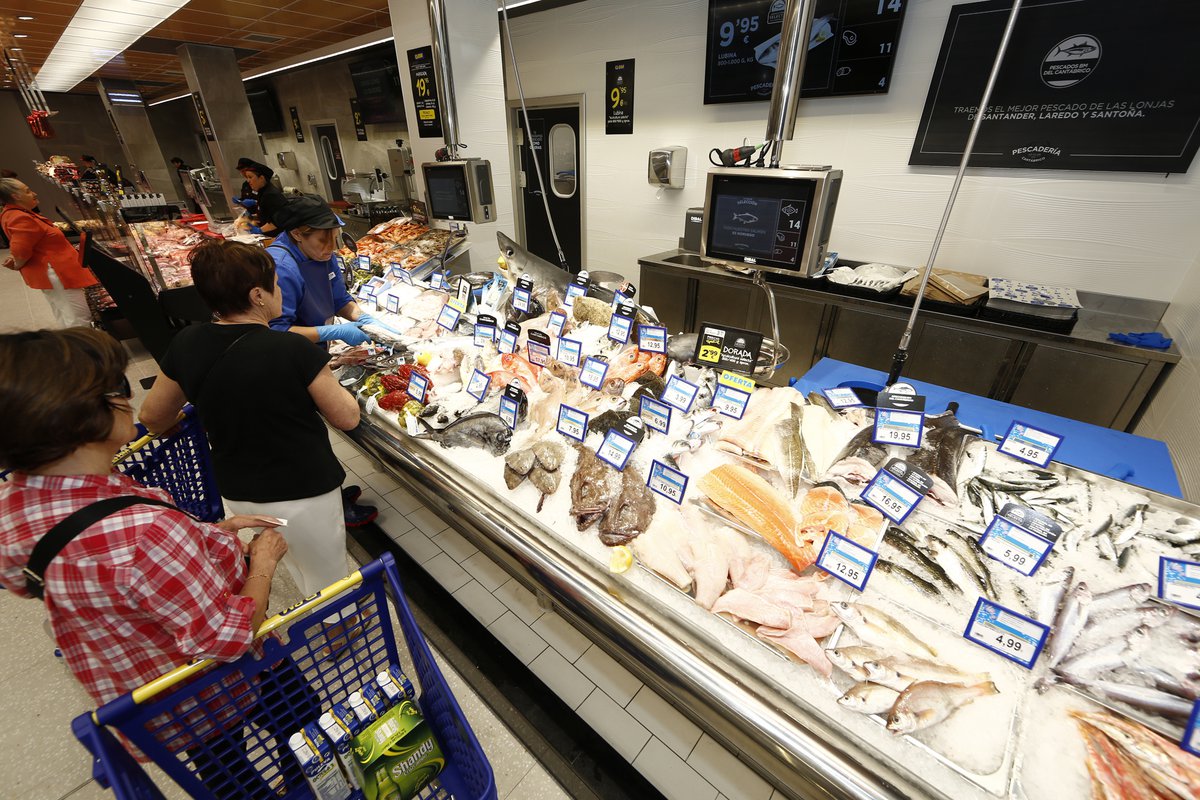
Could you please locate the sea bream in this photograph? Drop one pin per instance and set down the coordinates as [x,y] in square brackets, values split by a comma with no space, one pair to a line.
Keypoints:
[875,627]
[930,702]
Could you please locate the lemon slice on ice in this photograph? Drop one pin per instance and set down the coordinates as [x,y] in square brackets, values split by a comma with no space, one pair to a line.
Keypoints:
[621,560]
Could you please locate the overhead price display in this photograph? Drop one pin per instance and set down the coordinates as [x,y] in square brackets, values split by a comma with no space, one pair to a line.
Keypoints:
[360,127]
[618,89]
[425,96]
[1085,84]
[851,48]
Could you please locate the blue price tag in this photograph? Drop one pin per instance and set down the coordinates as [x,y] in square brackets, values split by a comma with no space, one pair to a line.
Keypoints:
[508,342]
[652,339]
[619,328]
[656,414]
[1015,546]
[1179,582]
[670,483]
[847,560]
[1191,734]
[558,321]
[730,402]
[448,318]
[593,372]
[616,449]
[484,334]
[539,353]
[438,281]
[522,300]
[1030,444]
[479,384]
[508,411]
[894,498]
[418,387]
[401,274]
[572,423]
[903,428]
[570,351]
[1014,636]
[393,303]
[573,290]
[842,397]
[364,262]
[680,394]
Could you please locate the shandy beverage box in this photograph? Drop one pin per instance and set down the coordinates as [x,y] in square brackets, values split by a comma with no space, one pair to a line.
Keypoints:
[317,761]
[396,756]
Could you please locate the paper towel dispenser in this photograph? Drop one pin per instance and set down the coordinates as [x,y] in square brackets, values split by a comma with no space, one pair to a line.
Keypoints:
[667,167]
[286,159]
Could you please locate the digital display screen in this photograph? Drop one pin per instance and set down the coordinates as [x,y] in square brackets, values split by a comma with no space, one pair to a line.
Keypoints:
[758,220]
[446,190]
[377,87]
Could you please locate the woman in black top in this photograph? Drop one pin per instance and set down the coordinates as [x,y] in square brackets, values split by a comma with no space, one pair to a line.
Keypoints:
[269,196]
[261,395]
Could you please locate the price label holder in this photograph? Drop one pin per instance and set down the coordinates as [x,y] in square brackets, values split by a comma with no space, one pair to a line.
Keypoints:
[578,287]
[363,262]
[572,422]
[479,384]
[656,414]
[670,483]
[621,324]
[400,273]
[722,347]
[392,303]
[896,489]
[1179,582]
[842,397]
[680,394]
[570,351]
[652,339]
[732,394]
[593,373]
[1191,734]
[899,419]
[450,314]
[463,292]
[509,336]
[616,449]
[558,321]
[1030,444]
[371,289]
[438,281]
[846,560]
[538,347]
[1020,538]
[1014,636]
[485,330]
[523,294]
[513,405]
[418,387]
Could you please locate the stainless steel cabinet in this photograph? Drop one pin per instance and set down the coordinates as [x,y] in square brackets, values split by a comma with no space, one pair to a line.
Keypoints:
[724,302]
[1083,386]
[667,294]
[800,322]
[866,338]
[961,359]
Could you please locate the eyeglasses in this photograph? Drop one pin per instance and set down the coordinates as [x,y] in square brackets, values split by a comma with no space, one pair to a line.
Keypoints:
[126,391]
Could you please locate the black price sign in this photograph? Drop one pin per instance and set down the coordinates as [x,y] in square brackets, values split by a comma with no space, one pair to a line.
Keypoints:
[202,113]
[1085,84]
[722,347]
[425,96]
[360,128]
[618,89]
[296,126]
[851,48]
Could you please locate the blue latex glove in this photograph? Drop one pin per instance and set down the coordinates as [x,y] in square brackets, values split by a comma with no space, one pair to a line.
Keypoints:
[237,201]
[347,332]
[1152,339]
[255,229]
[249,203]
[366,319]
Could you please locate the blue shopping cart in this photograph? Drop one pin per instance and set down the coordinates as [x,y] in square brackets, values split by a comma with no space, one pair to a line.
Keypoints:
[219,729]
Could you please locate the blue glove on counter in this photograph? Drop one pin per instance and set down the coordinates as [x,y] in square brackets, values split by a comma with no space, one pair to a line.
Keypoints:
[1152,339]
[347,332]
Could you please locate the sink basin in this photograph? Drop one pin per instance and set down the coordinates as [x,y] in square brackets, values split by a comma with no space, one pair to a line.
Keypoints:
[686,260]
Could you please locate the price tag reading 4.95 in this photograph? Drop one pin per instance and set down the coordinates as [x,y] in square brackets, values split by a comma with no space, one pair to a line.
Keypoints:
[1014,636]
[572,423]
[847,561]
[670,483]
[1179,582]
[1030,444]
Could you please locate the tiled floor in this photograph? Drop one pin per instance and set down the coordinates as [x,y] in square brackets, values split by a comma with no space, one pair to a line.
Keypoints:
[40,759]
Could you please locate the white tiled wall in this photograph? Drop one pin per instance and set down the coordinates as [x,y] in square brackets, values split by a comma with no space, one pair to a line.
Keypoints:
[663,744]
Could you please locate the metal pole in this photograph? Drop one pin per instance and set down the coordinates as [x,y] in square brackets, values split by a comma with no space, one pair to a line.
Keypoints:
[901,354]
[789,71]
[445,75]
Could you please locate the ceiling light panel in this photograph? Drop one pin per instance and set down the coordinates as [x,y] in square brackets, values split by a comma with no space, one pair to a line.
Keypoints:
[99,31]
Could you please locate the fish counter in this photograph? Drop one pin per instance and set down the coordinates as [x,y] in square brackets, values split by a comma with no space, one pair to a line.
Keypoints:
[856,619]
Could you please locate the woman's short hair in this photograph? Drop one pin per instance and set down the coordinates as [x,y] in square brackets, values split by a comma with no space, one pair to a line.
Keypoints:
[52,387]
[9,189]
[224,272]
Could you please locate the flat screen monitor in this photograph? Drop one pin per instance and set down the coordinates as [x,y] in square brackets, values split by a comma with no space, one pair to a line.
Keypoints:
[265,109]
[448,194]
[377,87]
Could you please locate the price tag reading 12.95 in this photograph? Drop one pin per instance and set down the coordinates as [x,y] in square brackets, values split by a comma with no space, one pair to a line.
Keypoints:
[1030,444]
[670,483]
[652,339]
[847,561]
[679,394]
[896,489]
[1014,636]
[1179,582]
[572,423]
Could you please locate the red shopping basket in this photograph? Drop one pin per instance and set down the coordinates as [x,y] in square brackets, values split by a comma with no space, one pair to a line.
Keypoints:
[179,462]
[190,721]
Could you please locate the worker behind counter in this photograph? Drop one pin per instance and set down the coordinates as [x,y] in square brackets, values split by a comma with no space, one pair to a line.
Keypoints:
[269,198]
[310,278]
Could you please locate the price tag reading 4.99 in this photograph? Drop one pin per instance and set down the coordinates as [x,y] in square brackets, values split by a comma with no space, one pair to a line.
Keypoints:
[847,561]
[1014,636]
[1030,444]
[1179,582]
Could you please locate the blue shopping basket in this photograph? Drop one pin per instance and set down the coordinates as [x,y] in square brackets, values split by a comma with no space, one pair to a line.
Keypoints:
[219,730]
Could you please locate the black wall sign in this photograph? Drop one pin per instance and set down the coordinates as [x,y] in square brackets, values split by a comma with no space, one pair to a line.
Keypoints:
[618,101]
[296,127]
[1085,84]
[850,48]
[425,96]
[360,127]
[202,113]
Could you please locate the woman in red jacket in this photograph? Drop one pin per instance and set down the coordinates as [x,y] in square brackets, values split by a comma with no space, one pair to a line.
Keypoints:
[44,257]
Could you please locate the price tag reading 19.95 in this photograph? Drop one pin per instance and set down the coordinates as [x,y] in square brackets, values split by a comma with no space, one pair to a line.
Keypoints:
[1179,581]
[846,560]
[670,483]
[1030,444]
[1014,636]
[619,328]
[902,428]
[892,496]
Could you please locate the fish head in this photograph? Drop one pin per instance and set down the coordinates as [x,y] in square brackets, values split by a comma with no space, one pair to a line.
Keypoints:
[851,700]
[902,721]
[844,611]
[499,440]
[516,261]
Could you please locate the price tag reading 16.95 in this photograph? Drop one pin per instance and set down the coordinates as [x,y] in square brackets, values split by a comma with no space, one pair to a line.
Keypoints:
[1014,636]
[846,560]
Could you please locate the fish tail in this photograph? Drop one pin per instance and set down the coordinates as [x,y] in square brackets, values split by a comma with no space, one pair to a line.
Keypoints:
[986,688]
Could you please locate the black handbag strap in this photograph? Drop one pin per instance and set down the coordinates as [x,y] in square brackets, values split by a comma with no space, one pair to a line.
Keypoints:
[66,530]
